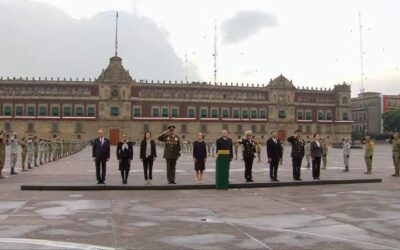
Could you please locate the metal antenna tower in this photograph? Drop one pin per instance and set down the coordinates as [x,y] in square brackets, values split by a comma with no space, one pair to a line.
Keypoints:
[361,54]
[116,34]
[215,51]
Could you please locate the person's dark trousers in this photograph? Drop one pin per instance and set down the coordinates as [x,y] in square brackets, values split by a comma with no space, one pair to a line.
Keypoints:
[273,169]
[101,170]
[124,175]
[296,162]
[148,168]
[248,165]
[171,168]
[316,166]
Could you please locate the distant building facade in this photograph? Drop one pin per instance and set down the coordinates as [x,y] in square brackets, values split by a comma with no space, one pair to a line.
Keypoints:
[119,104]
[367,110]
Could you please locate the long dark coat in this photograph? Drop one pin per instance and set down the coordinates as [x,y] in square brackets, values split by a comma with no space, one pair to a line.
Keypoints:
[124,154]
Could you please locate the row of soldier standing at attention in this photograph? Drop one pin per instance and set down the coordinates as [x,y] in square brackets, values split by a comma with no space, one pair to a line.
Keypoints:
[35,151]
[314,150]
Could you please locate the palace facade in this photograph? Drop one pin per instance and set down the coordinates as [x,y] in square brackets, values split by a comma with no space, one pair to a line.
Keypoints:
[67,108]
[367,111]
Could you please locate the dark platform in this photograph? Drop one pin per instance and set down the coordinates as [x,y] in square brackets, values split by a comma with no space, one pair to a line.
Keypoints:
[95,187]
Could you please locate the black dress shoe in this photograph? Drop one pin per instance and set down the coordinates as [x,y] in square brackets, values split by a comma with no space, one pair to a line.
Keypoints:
[276,180]
[99,182]
[173,182]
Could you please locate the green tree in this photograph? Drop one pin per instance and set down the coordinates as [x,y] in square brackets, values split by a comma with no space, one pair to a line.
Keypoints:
[391,120]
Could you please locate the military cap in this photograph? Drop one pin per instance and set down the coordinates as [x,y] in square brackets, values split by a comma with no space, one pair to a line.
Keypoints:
[171,126]
[248,132]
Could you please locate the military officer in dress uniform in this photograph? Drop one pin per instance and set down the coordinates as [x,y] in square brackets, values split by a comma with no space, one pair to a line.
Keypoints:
[2,153]
[249,150]
[369,154]
[297,153]
[172,151]
[396,154]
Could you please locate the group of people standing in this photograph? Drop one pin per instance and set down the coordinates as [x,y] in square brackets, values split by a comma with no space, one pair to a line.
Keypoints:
[34,151]
[314,150]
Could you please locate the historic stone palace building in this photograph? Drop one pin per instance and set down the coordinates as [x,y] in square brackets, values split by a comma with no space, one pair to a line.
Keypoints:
[114,101]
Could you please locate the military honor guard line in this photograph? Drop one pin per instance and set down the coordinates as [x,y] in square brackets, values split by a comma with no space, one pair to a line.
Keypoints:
[36,152]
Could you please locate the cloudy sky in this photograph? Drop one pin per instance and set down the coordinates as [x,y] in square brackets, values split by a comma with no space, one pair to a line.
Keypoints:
[312,42]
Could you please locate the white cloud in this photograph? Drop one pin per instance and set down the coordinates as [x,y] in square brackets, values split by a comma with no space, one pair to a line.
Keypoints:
[44,41]
[245,24]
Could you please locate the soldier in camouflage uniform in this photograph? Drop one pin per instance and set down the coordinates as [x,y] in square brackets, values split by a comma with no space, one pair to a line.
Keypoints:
[35,150]
[60,149]
[325,146]
[396,154]
[41,150]
[369,154]
[54,147]
[30,151]
[46,150]
[172,151]
[2,153]
[24,151]
[307,151]
[50,150]
[283,150]
[346,154]
[13,152]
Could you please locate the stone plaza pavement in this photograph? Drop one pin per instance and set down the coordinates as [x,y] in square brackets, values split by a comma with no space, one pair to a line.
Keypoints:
[350,216]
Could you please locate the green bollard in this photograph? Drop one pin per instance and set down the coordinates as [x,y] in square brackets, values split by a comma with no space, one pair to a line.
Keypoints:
[222,170]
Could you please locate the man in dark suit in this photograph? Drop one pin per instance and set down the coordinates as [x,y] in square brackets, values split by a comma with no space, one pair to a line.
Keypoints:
[316,154]
[274,152]
[101,154]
